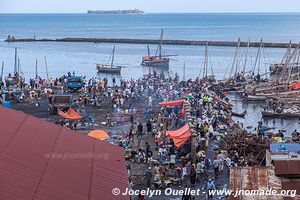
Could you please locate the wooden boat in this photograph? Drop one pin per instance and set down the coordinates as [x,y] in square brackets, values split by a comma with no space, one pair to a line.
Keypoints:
[269,114]
[242,115]
[207,78]
[278,68]
[16,78]
[106,69]
[110,69]
[254,98]
[156,60]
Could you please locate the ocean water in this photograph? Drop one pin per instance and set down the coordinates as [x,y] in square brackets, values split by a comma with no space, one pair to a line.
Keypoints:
[82,57]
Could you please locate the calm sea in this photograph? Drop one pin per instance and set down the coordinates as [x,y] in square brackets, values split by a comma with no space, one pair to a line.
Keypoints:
[82,57]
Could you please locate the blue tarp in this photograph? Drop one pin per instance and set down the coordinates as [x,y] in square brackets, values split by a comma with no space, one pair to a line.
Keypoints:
[291,147]
[6,104]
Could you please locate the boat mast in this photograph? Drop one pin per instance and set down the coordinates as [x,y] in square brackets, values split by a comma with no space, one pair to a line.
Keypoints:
[291,65]
[257,60]
[113,57]
[160,44]
[246,56]
[297,64]
[287,53]
[148,48]
[205,61]
[2,71]
[184,71]
[16,60]
[36,66]
[19,66]
[233,62]
[237,57]
[46,65]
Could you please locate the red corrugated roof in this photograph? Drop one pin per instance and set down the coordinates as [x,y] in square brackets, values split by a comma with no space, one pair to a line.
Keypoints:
[27,171]
[287,168]
[254,178]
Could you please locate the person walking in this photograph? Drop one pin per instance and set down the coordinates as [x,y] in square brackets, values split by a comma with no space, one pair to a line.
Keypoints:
[221,159]
[193,174]
[149,127]
[184,176]
[216,167]
[140,133]
[131,120]
[148,177]
[210,187]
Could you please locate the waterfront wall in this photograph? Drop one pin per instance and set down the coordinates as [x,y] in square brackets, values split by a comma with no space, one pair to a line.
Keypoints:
[149,41]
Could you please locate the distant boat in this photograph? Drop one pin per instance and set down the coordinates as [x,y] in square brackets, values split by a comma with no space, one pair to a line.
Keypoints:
[157,60]
[110,69]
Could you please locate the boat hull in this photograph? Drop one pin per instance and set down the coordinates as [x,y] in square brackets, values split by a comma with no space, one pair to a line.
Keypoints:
[156,64]
[280,115]
[254,98]
[241,115]
[152,61]
[108,70]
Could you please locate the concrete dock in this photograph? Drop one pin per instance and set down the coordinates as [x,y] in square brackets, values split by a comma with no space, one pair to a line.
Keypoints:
[149,41]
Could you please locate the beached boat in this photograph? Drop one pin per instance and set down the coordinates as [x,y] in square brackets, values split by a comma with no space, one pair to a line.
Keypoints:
[208,78]
[278,68]
[157,60]
[107,69]
[237,78]
[110,69]
[242,115]
[16,78]
[254,98]
[280,115]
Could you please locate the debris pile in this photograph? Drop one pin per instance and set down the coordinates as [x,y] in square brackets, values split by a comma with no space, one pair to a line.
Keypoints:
[245,149]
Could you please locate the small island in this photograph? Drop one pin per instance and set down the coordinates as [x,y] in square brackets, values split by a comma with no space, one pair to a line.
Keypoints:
[116,12]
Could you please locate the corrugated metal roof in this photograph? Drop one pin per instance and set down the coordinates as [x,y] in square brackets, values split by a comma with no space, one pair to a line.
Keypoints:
[291,184]
[254,178]
[27,171]
[287,167]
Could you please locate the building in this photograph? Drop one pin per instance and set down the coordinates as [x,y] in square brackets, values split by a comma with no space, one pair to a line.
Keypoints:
[281,173]
[40,160]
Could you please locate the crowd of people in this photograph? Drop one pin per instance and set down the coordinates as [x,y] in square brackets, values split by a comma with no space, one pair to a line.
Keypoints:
[146,142]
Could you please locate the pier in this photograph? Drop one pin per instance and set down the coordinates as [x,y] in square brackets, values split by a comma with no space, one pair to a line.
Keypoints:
[150,41]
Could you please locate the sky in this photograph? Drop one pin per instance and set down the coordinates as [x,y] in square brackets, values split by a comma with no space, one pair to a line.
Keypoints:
[150,6]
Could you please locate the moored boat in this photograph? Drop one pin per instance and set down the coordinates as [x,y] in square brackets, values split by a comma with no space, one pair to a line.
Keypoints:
[156,60]
[242,115]
[106,69]
[280,115]
[110,69]
[254,98]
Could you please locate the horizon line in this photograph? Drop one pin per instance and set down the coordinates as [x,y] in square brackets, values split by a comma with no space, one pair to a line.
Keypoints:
[202,12]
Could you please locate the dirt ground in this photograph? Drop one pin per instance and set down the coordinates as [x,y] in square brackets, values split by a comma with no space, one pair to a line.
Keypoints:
[121,127]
